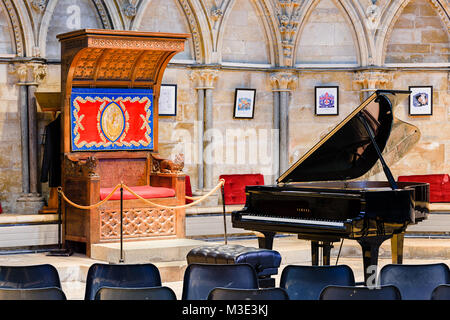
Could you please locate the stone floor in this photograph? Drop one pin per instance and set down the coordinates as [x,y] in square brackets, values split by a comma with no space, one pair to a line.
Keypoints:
[73,269]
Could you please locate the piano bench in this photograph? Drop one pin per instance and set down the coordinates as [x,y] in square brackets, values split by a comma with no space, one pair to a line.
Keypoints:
[265,262]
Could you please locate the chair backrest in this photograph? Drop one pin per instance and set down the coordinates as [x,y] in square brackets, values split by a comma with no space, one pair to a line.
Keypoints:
[415,282]
[120,275]
[360,293]
[306,282]
[441,292]
[115,170]
[151,293]
[234,188]
[200,279]
[248,294]
[35,276]
[52,293]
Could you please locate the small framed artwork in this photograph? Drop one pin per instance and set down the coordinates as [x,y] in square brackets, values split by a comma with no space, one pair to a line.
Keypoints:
[244,103]
[167,103]
[421,101]
[327,101]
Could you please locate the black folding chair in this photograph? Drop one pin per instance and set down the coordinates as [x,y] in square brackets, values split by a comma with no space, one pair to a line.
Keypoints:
[441,292]
[52,293]
[360,293]
[200,279]
[248,294]
[415,282]
[120,276]
[306,282]
[152,293]
[26,277]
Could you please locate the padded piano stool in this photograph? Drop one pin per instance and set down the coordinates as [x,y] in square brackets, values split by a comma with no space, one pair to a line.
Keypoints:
[265,262]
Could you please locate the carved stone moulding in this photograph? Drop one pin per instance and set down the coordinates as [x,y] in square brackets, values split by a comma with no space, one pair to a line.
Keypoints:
[137,223]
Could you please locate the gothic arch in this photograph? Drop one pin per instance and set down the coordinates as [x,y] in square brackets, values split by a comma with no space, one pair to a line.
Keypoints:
[102,14]
[392,14]
[349,13]
[262,9]
[16,29]
[190,10]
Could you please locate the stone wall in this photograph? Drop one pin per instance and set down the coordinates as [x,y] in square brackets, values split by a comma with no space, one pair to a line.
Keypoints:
[283,49]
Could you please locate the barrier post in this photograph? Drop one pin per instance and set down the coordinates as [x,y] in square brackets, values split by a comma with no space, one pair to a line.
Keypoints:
[60,251]
[121,260]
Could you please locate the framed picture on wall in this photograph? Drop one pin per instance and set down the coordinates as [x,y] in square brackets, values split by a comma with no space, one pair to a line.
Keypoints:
[244,103]
[167,103]
[421,101]
[326,100]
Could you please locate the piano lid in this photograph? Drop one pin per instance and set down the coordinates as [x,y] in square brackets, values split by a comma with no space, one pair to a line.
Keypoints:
[347,152]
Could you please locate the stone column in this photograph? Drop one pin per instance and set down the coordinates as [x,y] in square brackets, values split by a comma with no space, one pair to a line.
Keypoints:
[29,74]
[21,72]
[282,85]
[200,120]
[205,86]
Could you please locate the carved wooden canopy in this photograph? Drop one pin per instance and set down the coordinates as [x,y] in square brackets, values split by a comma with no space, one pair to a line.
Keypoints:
[94,58]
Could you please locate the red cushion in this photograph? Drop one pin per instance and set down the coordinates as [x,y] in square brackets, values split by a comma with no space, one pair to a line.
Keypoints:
[146,192]
[439,185]
[235,186]
[188,189]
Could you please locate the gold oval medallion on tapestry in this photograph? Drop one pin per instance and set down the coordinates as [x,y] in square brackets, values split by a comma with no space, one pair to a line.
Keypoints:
[112,121]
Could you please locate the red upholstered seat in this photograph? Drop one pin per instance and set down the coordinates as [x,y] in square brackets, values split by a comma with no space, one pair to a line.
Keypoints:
[146,192]
[235,186]
[439,185]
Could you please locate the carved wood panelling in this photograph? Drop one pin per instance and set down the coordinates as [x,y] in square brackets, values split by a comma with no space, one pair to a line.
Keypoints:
[137,223]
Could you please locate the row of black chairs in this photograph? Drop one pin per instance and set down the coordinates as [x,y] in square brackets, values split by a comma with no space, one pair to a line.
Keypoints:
[230,282]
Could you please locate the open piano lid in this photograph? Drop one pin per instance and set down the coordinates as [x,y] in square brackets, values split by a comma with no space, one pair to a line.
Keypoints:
[347,152]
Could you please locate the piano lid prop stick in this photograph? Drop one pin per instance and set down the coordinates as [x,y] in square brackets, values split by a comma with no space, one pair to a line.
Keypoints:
[386,169]
[339,253]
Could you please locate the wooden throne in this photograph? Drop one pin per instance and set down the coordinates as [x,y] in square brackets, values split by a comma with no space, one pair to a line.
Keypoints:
[110,84]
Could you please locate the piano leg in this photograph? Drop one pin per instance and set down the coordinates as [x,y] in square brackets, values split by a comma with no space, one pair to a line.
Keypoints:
[315,253]
[326,252]
[397,247]
[266,242]
[370,247]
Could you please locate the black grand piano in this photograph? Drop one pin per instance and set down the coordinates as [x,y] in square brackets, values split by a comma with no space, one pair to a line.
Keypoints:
[319,199]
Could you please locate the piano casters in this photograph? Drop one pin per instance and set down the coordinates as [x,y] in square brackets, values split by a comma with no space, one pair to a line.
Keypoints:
[326,251]
[370,247]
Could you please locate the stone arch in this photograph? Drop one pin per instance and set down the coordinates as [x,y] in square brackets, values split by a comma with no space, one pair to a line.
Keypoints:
[185,16]
[253,11]
[14,22]
[7,42]
[344,33]
[392,16]
[55,21]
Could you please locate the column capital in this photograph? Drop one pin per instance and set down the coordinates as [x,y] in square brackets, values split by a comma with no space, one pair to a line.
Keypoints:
[204,78]
[283,81]
[29,73]
[371,80]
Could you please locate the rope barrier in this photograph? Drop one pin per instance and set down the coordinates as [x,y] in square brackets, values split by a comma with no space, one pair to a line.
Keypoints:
[121,185]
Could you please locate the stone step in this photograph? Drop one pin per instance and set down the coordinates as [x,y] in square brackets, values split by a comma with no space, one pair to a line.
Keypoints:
[154,251]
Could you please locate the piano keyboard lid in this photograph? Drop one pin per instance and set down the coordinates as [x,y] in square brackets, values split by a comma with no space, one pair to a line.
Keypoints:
[347,152]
